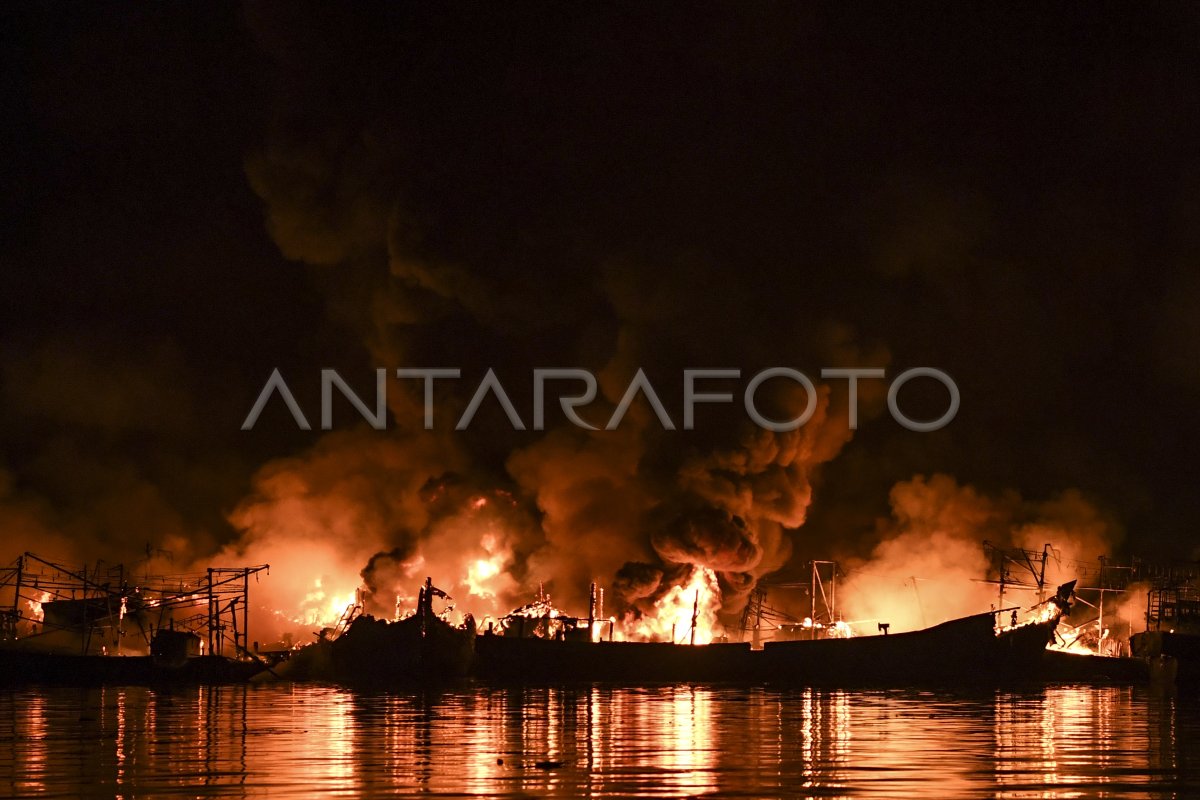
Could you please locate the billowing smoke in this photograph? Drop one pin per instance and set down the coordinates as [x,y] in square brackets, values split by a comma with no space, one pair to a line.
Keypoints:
[610,190]
[378,511]
[317,518]
[72,485]
[929,564]
[425,282]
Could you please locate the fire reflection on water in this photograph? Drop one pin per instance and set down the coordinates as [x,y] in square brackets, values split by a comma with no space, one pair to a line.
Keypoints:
[592,741]
[824,736]
[1053,744]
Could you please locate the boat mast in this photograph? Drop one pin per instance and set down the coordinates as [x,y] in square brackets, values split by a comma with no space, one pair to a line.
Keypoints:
[812,596]
[1042,575]
[246,610]
[16,610]
[592,614]
[211,621]
[695,614]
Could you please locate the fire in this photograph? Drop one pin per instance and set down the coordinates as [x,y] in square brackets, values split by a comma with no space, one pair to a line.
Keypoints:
[35,606]
[323,608]
[472,567]
[1038,614]
[840,630]
[834,630]
[1048,612]
[671,619]
[481,571]
[1075,646]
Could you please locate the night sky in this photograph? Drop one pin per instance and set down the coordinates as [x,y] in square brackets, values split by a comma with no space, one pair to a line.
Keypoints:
[195,195]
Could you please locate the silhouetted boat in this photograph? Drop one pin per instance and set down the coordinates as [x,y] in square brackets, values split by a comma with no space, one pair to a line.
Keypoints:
[963,651]
[68,625]
[538,643]
[1067,667]
[1170,645]
[174,658]
[959,652]
[1173,659]
[420,648]
[966,651]
[30,667]
[504,658]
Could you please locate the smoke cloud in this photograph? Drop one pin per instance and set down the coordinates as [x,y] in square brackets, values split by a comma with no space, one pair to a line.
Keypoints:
[304,187]
[929,565]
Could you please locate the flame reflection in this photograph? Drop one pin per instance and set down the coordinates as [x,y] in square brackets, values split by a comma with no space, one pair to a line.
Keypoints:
[597,741]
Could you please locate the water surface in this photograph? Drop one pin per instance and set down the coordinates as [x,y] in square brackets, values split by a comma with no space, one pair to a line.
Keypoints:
[597,741]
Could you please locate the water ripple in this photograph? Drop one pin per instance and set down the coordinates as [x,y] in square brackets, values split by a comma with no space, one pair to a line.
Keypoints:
[596,741]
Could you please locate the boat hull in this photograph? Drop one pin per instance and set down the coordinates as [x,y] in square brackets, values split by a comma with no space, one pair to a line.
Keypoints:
[31,667]
[1172,658]
[1058,667]
[960,652]
[515,659]
[377,652]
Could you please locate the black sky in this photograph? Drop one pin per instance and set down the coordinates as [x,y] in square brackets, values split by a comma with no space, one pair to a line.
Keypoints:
[1008,193]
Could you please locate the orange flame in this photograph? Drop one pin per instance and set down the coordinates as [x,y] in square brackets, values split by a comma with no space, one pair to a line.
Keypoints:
[35,606]
[323,608]
[671,619]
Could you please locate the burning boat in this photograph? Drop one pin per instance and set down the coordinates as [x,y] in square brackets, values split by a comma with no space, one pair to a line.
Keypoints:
[970,650]
[420,648]
[538,643]
[71,625]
